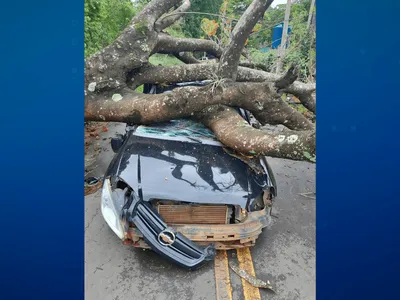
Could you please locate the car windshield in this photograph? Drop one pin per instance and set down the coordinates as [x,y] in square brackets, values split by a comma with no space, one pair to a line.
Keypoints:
[180,130]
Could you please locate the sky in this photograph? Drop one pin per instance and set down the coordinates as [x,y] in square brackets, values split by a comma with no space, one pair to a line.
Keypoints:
[276,2]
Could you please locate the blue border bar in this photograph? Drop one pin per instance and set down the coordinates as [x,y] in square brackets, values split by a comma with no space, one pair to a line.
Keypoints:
[358,62]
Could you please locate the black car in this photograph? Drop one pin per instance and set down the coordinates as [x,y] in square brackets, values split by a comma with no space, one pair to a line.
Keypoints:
[174,188]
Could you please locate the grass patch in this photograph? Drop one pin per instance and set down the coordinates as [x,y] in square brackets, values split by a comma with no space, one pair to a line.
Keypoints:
[164,60]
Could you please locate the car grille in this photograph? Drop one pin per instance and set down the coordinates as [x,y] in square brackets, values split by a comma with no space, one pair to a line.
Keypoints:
[182,250]
[194,214]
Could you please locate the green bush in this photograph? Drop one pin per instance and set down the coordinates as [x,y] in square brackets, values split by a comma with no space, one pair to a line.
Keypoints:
[104,20]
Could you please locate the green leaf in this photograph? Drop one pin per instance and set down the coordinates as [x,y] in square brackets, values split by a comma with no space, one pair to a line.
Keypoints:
[309,156]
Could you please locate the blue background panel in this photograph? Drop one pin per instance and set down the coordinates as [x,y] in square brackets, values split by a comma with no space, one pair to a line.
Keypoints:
[358,66]
[42,208]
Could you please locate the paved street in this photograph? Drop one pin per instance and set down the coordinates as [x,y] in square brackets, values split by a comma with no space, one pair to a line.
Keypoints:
[284,253]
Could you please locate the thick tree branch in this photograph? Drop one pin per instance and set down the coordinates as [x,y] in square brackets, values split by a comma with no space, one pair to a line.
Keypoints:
[231,55]
[259,98]
[304,92]
[249,64]
[168,20]
[287,79]
[170,45]
[207,71]
[153,11]
[187,58]
[173,74]
[235,133]
[167,44]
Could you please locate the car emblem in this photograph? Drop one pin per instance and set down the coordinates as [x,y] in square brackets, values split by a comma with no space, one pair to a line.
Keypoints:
[166,237]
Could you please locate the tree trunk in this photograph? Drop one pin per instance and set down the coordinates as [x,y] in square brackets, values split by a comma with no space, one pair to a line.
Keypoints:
[282,46]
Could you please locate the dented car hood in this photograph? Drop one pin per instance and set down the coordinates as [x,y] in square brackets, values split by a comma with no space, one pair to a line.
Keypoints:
[188,168]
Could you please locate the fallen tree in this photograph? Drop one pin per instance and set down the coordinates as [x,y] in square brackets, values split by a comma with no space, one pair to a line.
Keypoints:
[113,74]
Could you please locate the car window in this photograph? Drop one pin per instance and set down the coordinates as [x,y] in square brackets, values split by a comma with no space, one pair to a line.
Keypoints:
[182,130]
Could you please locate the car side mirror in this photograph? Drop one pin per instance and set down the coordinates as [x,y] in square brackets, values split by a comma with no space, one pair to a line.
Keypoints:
[117,142]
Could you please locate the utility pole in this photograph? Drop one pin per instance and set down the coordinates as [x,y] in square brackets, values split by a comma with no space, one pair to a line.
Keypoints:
[311,13]
[311,22]
[282,46]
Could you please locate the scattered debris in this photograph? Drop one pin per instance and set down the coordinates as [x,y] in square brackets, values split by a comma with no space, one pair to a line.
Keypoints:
[92,188]
[307,195]
[251,279]
[92,180]
[93,134]
[252,161]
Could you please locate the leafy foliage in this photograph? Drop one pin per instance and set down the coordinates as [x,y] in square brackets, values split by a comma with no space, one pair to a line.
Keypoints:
[302,41]
[209,26]
[192,22]
[175,30]
[104,20]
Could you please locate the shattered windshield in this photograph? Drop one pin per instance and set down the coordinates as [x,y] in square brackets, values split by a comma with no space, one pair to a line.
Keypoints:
[181,130]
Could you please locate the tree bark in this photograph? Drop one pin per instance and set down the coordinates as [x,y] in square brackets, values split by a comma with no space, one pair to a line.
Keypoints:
[168,20]
[237,134]
[259,98]
[187,58]
[231,55]
[304,92]
[167,44]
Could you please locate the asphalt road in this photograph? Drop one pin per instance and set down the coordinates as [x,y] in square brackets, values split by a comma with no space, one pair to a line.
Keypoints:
[284,253]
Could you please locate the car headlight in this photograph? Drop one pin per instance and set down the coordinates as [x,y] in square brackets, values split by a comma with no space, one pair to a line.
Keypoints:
[108,210]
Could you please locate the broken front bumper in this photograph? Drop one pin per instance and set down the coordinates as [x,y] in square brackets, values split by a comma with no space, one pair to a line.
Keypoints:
[223,236]
[167,241]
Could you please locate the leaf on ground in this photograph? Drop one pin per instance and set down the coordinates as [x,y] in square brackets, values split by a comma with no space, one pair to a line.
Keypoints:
[308,195]
[309,156]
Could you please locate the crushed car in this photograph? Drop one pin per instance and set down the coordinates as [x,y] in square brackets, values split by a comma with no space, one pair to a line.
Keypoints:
[174,188]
